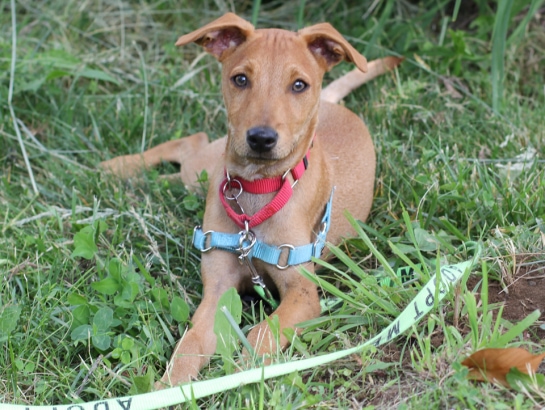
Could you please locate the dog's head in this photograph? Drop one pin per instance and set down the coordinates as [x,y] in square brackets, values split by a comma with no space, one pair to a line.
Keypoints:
[271,86]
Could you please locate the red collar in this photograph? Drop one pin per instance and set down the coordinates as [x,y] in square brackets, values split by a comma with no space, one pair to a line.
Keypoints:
[280,183]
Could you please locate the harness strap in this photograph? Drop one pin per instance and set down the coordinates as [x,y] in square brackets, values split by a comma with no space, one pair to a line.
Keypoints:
[271,254]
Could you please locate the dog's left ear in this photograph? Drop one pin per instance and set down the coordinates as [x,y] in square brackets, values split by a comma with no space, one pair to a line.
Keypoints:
[330,46]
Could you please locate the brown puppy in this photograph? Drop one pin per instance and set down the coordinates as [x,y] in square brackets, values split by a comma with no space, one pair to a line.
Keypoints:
[271,83]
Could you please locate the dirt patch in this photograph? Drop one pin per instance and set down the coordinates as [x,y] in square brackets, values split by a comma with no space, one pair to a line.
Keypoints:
[520,298]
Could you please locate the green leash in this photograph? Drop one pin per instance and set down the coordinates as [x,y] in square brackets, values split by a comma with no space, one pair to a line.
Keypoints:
[424,301]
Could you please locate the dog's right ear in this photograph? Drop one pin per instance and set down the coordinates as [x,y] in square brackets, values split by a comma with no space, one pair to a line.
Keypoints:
[220,36]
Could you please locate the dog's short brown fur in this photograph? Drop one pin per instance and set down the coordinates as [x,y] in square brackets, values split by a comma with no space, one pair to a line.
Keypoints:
[276,65]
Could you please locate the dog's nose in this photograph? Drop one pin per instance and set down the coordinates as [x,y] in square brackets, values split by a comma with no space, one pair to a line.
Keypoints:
[261,139]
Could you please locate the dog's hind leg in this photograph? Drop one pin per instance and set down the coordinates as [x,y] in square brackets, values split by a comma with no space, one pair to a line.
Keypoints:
[193,153]
[127,166]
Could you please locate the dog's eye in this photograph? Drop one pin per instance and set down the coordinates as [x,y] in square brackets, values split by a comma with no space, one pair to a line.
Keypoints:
[240,80]
[298,86]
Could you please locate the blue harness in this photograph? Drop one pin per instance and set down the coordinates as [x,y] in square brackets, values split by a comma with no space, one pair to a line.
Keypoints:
[271,254]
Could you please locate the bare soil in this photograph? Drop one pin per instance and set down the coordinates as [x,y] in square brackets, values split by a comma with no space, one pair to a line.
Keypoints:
[520,298]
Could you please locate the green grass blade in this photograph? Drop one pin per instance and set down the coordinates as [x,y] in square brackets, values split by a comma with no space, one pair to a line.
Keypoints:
[10,97]
[255,11]
[387,268]
[301,14]
[499,35]
[484,288]
[330,288]
[519,31]
[516,330]
[456,10]
[379,28]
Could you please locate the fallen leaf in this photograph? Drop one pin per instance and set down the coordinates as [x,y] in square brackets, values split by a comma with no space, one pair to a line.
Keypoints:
[494,364]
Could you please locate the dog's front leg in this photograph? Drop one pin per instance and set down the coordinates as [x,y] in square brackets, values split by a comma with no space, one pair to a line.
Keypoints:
[220,272]
[299,302]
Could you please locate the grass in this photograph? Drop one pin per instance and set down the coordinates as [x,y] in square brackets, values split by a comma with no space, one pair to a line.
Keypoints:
[83,253]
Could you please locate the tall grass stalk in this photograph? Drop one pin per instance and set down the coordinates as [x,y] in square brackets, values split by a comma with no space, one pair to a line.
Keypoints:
[10,96]
[499,36]
[255,11]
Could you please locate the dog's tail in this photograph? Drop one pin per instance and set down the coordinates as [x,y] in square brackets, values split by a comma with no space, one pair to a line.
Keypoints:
[341,87]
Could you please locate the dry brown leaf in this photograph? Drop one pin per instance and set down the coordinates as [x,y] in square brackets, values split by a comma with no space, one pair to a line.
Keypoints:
[494,364]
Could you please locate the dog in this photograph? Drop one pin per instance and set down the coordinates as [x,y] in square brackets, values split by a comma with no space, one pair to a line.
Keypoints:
[292,163]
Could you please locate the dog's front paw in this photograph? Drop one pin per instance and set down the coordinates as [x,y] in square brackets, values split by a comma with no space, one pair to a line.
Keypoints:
[174,378]
[160,385]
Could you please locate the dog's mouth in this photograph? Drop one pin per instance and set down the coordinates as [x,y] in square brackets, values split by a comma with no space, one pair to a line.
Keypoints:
[250,156]
[252,165]
[262,158]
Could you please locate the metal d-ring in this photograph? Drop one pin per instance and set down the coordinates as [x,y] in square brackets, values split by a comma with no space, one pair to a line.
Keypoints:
[228,186]
[205,234]
[291,248]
